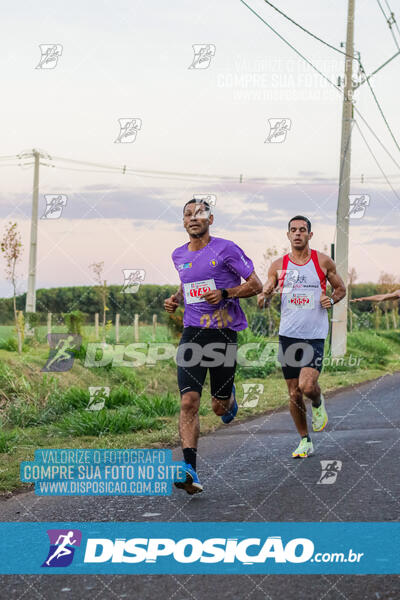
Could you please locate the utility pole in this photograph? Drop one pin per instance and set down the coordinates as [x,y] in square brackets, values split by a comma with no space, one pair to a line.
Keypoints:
[31,293]
[339,317]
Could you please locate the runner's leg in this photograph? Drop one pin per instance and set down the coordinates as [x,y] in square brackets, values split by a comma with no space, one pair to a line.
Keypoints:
[191,376]
[297,407]
[222,376]
[189,426]
[308,384]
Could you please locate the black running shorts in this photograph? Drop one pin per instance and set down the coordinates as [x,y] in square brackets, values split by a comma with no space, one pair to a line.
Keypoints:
[201,349]
[295,353]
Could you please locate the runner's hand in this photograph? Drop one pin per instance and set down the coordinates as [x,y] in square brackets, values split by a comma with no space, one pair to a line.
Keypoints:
[325,301]
[268,288]
[264,298]
[262,301]
[171,304]
[213,296]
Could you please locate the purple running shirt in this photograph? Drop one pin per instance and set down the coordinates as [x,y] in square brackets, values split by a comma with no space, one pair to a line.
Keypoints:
[220,264]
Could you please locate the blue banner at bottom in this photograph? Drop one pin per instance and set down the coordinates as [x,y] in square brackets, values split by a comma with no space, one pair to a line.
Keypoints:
[202,547]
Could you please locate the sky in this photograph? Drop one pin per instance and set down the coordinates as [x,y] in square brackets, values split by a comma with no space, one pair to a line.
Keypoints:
[130,60]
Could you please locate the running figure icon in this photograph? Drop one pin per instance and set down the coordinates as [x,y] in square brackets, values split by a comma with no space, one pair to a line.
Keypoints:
[62,549]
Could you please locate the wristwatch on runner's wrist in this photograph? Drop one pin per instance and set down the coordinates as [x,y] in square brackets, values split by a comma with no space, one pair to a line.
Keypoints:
[224,293]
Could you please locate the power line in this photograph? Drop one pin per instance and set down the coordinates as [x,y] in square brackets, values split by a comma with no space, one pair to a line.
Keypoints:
[182,177]
[11,157]
[347,55]
[377,162]
[392,16]
[390,21]
[379,68]
[320,73]
[376,137]
[309,32]
[145,171]
[382,114]
[316,37]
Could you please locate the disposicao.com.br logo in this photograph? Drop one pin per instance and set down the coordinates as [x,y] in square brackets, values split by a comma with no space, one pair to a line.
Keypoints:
[144,547]
[191,550]
[247,551]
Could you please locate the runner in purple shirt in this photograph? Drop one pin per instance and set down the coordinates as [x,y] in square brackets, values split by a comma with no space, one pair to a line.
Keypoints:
[210,270]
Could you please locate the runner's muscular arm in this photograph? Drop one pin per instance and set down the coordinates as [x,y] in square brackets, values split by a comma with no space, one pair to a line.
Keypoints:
[339,289]
[245,290]
[270,285]
[380,297]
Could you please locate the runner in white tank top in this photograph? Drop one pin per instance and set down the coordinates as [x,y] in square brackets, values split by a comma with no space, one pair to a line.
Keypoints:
[302,315]
[301,277]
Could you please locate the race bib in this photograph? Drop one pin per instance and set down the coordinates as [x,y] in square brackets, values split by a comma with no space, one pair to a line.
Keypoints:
[196,289]
[301,300]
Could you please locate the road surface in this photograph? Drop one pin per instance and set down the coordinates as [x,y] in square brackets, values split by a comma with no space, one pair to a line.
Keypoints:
[249,475]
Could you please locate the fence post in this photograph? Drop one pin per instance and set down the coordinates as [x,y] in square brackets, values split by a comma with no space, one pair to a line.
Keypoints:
[377,317]
[136,327]
[154,326]
[96,325]
[49,322]
[117,328]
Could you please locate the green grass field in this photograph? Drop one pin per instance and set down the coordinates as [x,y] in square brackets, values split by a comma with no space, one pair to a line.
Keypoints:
[126,333]
[49,410]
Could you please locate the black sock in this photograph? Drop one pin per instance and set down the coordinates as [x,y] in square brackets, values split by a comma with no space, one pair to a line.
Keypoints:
[315,404]
[307,436]
[189,455]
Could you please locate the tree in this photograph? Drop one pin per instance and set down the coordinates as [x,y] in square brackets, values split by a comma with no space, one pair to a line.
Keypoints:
[11,247]
[102,290]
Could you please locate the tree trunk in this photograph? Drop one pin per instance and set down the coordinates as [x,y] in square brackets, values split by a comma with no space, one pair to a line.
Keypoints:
[19,335]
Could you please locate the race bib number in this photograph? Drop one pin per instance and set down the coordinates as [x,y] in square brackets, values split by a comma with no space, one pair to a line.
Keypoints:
[195,290]
[303,301]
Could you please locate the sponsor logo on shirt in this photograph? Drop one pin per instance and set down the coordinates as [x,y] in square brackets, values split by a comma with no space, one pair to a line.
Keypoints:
[213,263]
[187,265]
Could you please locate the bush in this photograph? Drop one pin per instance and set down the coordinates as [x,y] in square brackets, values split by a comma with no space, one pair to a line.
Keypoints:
[23,414]
[103,422]
[120,397]
[33,319]
[8,440]
[9,344]
[64,402]
[175,321]
[369,345]
[157,406]
[269,364]
[74,321]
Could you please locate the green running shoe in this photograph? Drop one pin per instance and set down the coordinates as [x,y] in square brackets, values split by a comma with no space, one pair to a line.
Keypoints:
[319,416]
[304,449]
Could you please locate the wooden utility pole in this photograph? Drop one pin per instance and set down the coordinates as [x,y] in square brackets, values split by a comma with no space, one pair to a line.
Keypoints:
[31,293]
[339,317]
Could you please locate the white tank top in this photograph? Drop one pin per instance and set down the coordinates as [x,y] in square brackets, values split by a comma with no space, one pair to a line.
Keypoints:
[302,315]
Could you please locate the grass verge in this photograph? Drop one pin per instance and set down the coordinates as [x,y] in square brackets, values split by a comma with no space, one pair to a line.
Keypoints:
[49,410]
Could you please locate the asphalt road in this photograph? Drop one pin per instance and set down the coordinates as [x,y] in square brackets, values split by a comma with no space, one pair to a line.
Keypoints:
[249,475]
